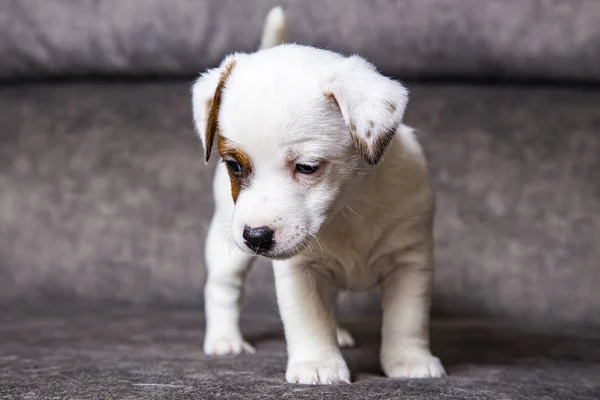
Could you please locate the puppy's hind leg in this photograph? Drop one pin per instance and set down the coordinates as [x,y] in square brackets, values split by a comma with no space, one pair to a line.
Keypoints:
[227,268]
[344,337]
[406,295]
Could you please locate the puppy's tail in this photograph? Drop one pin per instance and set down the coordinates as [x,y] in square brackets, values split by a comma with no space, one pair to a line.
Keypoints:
[275,31]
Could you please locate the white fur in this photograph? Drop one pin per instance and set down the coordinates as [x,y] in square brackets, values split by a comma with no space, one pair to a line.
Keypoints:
[348,226]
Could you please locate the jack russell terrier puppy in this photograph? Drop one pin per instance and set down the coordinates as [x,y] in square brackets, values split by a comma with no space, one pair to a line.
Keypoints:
[319,175]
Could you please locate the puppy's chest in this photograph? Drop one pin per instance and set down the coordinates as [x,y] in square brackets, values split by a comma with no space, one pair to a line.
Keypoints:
[353,259]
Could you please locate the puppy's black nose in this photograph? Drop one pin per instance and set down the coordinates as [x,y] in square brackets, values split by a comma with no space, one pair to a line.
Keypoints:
[258,239]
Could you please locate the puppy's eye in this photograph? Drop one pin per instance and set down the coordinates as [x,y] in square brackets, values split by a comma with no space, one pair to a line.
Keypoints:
[306,169]
[234,167]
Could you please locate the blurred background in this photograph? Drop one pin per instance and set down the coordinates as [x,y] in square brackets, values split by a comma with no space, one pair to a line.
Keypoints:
[105,199]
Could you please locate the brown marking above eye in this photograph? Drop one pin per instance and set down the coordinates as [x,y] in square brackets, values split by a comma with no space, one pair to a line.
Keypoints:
[372,123]
[213,106]
[228,150]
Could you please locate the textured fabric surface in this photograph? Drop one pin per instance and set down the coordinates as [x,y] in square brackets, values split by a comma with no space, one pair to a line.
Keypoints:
[134,354]
[104,197]
[466,38]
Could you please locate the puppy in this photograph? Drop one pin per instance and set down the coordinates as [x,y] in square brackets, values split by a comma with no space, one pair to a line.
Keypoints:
[302,134]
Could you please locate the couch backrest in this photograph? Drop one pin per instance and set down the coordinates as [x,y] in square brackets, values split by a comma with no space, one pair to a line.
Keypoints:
[471,39]
[104,197]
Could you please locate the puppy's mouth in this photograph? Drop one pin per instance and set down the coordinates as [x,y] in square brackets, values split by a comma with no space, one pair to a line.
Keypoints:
[280,255]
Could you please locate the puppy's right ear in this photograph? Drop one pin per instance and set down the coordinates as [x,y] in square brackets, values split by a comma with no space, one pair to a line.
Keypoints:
[371,104]
[207,94]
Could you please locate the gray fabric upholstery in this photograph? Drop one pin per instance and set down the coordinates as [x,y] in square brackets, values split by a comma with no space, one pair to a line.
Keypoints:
[104,197]
[466,38]
[141,354]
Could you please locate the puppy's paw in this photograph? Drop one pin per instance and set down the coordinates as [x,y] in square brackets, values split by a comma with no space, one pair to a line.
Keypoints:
[222,345]
[414,366]
[323,372]
[344,338]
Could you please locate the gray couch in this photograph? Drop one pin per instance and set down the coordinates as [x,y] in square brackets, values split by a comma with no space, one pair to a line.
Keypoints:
[105,199]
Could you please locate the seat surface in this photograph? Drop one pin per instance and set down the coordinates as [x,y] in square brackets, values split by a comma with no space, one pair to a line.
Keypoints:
[132,353]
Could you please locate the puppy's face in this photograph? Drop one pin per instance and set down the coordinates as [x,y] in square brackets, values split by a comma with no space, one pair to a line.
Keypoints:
[287,163]
[292,125]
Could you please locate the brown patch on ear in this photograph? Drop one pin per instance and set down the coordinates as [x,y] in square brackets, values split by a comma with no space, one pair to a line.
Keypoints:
[380,144]
[213,106]
[362,146]
[228,151]
[353,128]
[391,106]
[372,153]
[331,96]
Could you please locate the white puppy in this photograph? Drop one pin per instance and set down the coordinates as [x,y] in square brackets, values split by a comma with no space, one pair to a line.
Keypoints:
[304,181]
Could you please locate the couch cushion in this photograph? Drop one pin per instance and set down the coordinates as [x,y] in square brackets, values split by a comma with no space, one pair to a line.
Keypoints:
[134,353]
[434,38]
[104,197]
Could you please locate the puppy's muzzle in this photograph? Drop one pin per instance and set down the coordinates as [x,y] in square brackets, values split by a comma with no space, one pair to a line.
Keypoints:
[259,239]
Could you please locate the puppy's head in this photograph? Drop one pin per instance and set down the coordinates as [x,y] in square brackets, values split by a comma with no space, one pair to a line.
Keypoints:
[293,125]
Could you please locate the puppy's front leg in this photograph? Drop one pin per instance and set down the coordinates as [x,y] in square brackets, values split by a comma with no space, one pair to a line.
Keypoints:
[405,332]
[314,356]
[227,267]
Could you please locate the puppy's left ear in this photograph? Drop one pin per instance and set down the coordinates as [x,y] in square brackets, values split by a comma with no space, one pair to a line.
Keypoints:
[371,104]
[207,93]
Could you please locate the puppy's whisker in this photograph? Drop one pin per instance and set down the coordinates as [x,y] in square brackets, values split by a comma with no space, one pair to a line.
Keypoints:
[365,173]
[363,218]
[215,223]
[318,242]
[357,214]
[223,233]
[343,212]
[306,244]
